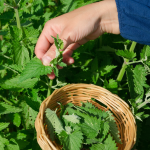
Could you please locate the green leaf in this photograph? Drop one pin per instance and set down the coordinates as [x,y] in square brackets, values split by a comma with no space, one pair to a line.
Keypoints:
[34,104]
[6,109]
[28,114]
[14,83]
[126,54]
[72,118]
[21,53]
[62,64]
[112,85]
[53,122]
[31,34]
[106,69]
[113,128]
[3,125]
[59,45]
[35,68]
[109,144]
[130,78]
[17,119]
[91,126]
[13,145]
[139,79]
[3,143]
[71,141]
[145,52]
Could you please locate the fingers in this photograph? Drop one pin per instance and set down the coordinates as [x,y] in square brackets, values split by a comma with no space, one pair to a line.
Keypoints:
[51,76]
[45,41]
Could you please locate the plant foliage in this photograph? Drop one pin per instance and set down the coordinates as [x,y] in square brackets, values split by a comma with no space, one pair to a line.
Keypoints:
[84,126]
[24,84]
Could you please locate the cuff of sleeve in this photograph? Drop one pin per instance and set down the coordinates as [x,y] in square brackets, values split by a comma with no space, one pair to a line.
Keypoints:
[134,20]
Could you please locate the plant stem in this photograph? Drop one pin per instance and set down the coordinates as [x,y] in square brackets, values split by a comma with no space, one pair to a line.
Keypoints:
[122,71]
[17,18]
[7,101]
[49,92]
[143,104]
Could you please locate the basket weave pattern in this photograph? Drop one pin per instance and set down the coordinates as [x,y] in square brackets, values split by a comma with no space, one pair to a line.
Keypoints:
[77,93]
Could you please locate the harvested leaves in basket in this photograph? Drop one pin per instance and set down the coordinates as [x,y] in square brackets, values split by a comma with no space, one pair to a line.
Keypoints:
[82,127]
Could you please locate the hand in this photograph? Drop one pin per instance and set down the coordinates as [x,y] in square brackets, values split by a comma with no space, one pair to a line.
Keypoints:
[76,28]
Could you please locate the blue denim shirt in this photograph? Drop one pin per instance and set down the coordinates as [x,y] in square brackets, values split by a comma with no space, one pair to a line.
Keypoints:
[134,20]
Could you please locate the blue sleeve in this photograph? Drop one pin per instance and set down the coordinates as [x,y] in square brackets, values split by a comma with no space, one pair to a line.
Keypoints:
[134,20]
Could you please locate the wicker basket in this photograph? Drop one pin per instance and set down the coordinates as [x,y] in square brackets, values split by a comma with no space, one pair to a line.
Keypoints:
[75,93]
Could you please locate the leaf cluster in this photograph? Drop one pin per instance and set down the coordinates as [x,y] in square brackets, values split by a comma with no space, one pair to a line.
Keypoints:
[82,127]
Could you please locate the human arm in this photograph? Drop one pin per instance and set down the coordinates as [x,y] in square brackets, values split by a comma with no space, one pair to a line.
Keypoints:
[76,28]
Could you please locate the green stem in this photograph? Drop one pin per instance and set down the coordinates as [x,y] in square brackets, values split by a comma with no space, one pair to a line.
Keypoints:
[49,92]
[143,104]
[122,71]
[7,101]
[17,18]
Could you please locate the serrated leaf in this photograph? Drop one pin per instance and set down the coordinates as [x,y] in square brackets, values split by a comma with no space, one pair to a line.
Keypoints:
[109,144]
[34,68]
[6,109]
[113,128]
[14,83]
[29,115]
[71,141]
[3,125]
[126,54]
[91,126]
[139,79]
[53,122]
[130,78]
[106,69]
[72,118]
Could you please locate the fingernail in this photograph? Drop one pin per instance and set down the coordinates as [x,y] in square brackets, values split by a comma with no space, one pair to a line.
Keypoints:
[71,61]
[46,60]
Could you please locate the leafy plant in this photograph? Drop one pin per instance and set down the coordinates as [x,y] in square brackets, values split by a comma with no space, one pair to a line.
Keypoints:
[83,127]
[110,61]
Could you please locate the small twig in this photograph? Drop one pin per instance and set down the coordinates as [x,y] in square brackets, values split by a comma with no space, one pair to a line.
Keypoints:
[143,104]
[11,69]
[5,56]
[7,101]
